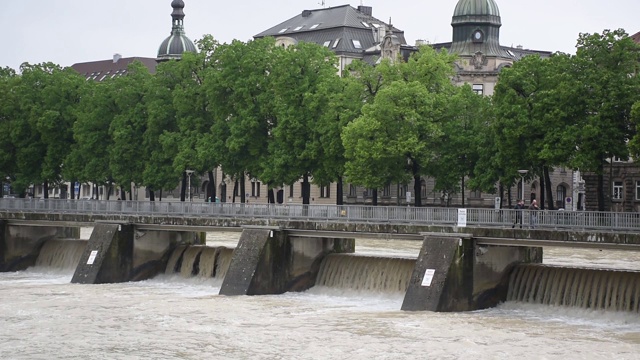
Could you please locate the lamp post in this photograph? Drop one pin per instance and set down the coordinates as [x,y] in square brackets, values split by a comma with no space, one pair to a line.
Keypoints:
[189,172]
[522,174]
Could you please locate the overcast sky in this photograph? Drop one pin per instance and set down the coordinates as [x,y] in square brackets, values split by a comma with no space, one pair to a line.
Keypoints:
[70,31]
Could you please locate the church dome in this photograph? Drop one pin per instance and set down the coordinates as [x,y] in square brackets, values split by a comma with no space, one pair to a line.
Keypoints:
[178,42]
[476,7]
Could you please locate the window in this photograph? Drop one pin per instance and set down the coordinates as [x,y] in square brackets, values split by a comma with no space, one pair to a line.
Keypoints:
[561,193]
[298,28]
[386,191]
[356,44]
[478,89]
[617,190]
[335,44]
[352,190]
[475,194]
[291,191]
[314,26]
[327,43]
[283,30]
[637,190]
[255,188]
[423,189]
[365,24]
[324,191]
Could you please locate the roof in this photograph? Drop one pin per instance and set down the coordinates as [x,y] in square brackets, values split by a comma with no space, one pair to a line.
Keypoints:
[636,37]
[343,29]
[178,42]
[476,7]
[104,69]
[514,53]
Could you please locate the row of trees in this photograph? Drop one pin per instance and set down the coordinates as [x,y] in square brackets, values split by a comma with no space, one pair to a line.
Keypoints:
[280,115]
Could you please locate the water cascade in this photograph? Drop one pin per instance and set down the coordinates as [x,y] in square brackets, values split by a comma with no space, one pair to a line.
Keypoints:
[596,289]
[366,273]
[201,261]
[61,253]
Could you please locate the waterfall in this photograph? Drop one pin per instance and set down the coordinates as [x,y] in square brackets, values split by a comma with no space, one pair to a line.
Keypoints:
[597,289]
[61,254]
[201,261]
[366,273]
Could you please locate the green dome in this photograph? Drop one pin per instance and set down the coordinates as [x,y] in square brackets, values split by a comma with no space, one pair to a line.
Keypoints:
[476,7]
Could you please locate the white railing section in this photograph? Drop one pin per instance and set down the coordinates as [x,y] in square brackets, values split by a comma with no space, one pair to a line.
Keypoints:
[548,219]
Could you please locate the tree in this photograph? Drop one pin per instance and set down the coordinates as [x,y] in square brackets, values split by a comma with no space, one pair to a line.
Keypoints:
[299,89]
[458,150]
[127,156]
[391,140]
[607,67]
[239,90]
[49,96]
[88,160]
[537,106]
[8,114]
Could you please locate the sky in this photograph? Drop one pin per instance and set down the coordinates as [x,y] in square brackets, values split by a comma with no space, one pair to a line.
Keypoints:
[66,32]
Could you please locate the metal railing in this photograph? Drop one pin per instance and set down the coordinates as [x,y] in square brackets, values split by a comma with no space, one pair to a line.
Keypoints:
[548,219]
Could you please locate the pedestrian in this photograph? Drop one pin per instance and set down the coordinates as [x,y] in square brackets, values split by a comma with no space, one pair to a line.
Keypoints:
[533,213]
[518,208]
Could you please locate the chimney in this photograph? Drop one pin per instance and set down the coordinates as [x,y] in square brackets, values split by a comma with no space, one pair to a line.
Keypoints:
[519,47]
[365,10]
[420,42]
[306,13]
[116,58]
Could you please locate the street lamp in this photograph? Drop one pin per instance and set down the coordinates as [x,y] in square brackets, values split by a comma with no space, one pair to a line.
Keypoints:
[522,174]
[189,172]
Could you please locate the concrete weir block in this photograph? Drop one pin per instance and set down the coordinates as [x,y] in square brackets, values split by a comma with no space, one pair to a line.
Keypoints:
[108,257]
[241,277]
[442,277]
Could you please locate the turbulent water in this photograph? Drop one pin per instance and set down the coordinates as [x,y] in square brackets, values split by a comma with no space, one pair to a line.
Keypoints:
[43,316]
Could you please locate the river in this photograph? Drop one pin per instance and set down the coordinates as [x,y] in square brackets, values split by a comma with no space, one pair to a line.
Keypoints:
[43,316]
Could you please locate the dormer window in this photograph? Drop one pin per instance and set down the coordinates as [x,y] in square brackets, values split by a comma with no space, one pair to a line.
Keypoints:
[356,44]
[365,24]
[298,28]
[335,44]
[327,43]
[314,26]
[283,30]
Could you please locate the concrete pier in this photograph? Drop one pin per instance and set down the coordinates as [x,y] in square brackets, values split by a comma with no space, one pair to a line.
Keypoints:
[454,273]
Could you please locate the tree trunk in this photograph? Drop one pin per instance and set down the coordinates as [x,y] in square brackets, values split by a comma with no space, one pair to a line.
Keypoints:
[547,179]
[211,188]
[417,187]
[123,195]
[462,185]
[375,197]
[243,193]
[45,188]
[542,190]
[72,191]
[160,195]
[305,189]
[183,187]
[600,191]
[109,189]
[339,192]
[152,195]
[235,190]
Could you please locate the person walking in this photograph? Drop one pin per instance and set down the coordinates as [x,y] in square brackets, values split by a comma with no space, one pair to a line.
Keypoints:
[533,213]
[518,209]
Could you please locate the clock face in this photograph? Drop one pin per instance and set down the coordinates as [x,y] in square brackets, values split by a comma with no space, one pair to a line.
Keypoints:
[477,36]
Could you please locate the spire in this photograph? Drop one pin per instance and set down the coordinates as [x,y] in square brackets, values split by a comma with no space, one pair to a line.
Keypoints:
[177,43]
[178,16]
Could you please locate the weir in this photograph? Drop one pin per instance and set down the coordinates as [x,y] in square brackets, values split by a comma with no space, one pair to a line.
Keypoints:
[453,272]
